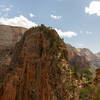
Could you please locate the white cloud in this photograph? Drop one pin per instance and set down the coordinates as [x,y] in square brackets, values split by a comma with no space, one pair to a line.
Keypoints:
[89,33]
[94,8]
[17,21]
[86,32]
[7,9]
[80,44]
[5,15]
[31,15]
[11,6]
[24,22]
[81,32]
[67,34]
[55,17]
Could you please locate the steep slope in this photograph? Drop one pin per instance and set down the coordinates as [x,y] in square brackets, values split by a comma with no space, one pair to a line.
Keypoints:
[91,57]
[98,54]
[88,54]
[77,59]
[39,69]
[9,36]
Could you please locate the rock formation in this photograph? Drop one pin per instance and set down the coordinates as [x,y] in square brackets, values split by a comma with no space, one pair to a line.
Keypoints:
[97,78]
[98,54]
[77,59]
[39,69]
[9,36]
[93,59]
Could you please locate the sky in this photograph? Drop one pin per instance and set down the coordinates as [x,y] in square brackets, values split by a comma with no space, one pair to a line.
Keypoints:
[76,21]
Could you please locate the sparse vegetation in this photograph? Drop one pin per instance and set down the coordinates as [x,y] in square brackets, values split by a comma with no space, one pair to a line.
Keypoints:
[86,93]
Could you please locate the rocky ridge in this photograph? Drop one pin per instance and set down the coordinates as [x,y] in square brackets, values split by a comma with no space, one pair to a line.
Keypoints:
[39,69]
[77,59]
[93,59]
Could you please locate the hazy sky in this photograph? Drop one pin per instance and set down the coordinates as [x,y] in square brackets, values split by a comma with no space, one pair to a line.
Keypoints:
[77,21]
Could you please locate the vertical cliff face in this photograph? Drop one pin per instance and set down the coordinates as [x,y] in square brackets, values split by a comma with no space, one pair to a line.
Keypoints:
[94,59]
[77,59]
[39,69]
[9,36]
[98,54]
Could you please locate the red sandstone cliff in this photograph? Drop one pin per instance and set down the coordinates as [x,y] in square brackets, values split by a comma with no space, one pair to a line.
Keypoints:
[9,36]
[39,68]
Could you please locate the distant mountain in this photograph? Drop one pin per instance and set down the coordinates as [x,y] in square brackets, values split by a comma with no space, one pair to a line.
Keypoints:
[87,54]
[77,59]
[82,59]
[94,59]
[9,36]
[98,54]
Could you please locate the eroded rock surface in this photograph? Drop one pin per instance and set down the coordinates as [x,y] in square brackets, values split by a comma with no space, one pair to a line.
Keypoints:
[39,69]
[9,36]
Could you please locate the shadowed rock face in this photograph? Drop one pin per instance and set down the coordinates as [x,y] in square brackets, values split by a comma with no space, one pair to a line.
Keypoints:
[39,68]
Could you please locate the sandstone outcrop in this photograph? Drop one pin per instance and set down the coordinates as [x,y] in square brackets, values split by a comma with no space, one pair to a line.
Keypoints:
[39,69]
[9,36]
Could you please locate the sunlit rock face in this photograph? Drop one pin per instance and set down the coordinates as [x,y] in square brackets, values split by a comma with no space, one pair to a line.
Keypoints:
[77,59]
[94,59]
[98,54]
[39,68]
[9,36]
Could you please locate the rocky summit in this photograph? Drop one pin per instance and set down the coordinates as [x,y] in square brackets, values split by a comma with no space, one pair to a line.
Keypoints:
[39,69]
